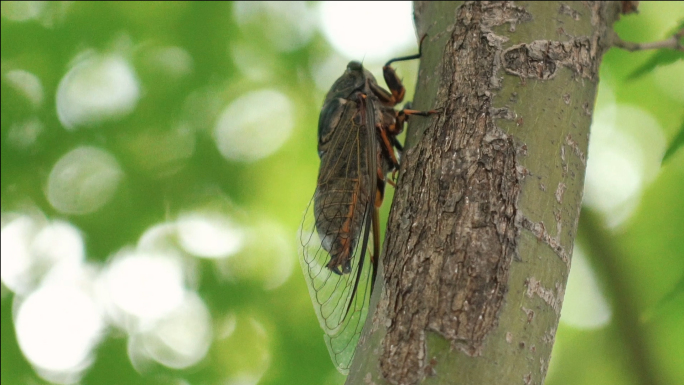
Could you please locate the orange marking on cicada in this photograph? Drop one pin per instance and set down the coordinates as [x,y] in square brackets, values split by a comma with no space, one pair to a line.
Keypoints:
[378,198]
[346,241]
[394,83]
[388,146]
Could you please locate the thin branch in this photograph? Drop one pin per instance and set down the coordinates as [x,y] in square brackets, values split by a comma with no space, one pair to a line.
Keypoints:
[606,258]
[671,43]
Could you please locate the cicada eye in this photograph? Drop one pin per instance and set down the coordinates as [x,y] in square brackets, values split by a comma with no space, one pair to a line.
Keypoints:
[330,119]
[354,66]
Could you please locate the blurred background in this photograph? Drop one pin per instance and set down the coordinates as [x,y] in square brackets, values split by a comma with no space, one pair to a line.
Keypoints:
[157,159]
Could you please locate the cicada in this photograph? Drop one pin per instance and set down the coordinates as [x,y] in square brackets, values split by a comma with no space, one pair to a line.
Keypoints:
[358,149]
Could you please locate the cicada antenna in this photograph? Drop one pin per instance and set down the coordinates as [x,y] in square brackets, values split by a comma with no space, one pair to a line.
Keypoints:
[411,57]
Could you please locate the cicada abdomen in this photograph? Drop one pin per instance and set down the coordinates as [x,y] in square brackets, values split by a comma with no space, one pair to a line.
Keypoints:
[343,191]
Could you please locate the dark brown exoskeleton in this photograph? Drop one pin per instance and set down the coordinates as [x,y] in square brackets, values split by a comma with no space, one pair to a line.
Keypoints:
[358,148]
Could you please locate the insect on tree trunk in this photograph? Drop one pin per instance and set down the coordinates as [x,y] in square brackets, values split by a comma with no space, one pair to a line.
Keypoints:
[481,230]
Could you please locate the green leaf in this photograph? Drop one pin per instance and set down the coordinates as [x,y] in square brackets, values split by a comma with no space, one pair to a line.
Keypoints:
[667,302]
[676,144]
[661,57]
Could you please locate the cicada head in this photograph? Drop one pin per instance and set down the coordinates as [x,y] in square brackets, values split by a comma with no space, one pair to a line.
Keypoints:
[357,68]
[353,79]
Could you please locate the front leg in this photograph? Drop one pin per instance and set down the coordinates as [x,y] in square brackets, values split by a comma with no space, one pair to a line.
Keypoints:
[392,79]
[394,84]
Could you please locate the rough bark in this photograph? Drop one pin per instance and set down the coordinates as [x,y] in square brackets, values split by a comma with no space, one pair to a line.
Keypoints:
[480,235]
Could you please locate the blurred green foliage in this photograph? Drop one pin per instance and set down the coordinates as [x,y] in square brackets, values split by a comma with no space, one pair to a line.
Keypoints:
[186,62]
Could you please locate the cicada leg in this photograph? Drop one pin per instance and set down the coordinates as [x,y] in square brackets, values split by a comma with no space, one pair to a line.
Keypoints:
[402,117]
[386,137]
[392,79]
[392,122]
[396,92]
[394,84]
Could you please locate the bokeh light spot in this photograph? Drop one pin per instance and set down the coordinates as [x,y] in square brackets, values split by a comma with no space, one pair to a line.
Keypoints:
[27,84]
[33,247]
[159,237]
[171,61]
[584,306]
[288,25]
[145,285]
[209,236]
[183,337]
[256,64]
[24,134]
[268,256]
[160,152]
[374,31]
[57,326]
[59,242]
[97,89]
[22,10]
[254,126]
[326,71]
[16,258]
[245,351]
[625,151]
[83,180]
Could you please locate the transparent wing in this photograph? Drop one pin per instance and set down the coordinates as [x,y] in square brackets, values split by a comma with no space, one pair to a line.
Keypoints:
[337,227]
[340,301]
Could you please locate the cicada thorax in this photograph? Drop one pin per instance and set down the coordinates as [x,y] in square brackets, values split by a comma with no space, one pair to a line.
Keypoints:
[343,193]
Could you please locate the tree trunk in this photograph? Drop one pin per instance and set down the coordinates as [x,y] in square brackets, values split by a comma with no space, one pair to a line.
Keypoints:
[481,231]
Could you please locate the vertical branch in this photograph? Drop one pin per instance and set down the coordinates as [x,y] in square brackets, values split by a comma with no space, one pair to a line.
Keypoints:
[480,235]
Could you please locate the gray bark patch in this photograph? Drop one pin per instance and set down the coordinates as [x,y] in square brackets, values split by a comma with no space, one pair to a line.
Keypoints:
[465,187]
[541,59]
